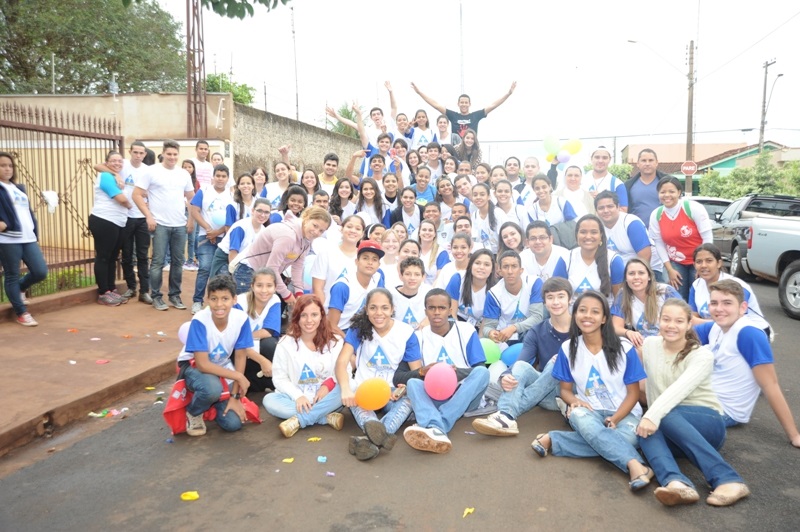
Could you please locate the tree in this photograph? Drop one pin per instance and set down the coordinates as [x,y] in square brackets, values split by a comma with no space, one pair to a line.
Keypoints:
[89,40]
[232,8]
[763,178]
[345,111]
[242,93]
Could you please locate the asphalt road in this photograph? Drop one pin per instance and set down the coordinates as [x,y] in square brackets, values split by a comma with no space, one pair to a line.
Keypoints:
[130,478]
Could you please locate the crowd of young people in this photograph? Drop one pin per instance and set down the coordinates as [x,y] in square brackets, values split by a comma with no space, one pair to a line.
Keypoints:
[411,260]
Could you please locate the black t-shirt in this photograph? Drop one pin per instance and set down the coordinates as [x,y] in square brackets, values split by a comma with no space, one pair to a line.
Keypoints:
[460,123]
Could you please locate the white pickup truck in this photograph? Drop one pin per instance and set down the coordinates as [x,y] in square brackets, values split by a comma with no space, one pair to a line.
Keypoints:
[773,253]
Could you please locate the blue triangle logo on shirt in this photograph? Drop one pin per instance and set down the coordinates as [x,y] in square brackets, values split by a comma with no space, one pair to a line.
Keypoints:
[218,354]
[594,380]
[257,327]
[484,236]
[443,357]
[611,245]
[307,375]
[517,314]
[410,319]
[704,311]
[343,274]
[379,359]
[411,228]
[584,286]
[276,202]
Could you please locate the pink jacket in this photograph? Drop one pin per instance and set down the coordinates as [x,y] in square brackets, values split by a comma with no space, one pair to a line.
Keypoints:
[279,246]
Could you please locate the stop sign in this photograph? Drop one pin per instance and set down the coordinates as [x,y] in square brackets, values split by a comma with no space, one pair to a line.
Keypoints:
[689,168]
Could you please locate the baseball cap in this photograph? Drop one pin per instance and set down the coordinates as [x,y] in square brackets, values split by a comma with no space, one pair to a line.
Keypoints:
[370,245]
[601,148]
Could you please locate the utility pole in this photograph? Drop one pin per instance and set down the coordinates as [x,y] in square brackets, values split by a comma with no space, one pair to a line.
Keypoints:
[461,35]
[690,118]
[296,93]
[767,64]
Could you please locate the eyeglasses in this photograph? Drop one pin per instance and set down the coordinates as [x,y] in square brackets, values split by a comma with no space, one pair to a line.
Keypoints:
[261,211]
[543,238]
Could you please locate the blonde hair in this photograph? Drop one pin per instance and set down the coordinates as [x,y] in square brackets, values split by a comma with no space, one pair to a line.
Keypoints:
[316,213]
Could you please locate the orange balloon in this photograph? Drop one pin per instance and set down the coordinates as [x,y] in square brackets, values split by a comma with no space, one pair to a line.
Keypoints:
[373,394]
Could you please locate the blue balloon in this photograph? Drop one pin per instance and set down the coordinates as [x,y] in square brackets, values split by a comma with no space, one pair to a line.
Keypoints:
[511,354]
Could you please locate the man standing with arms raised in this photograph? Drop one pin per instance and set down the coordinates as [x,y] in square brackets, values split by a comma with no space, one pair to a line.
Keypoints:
[462,120]
[167,187]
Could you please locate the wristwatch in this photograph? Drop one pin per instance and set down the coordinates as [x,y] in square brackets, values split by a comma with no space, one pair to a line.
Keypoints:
[237,395]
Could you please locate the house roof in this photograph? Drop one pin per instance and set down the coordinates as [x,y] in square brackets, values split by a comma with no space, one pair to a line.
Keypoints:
[705,163]
[677,152]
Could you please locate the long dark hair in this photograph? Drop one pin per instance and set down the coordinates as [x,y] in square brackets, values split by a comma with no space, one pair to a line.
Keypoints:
[502,245]
[193,173]
[466,291]
[612,345]
[13,165]
[237,194]
[360,322]
[335,206]
[377,200]
[601,255]
[489,204]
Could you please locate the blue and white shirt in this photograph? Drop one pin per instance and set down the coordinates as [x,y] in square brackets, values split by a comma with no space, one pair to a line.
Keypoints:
[510,309]
[269,318]
[380,356]
[584,276]
[409,310]
[220,345]
[699,299]
[348,296]
[628,237]
[474,313]
[460,347]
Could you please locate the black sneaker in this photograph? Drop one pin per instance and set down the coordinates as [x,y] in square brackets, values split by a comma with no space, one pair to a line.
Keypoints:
[129,293]
[158,303]
[144,297]
[176,302]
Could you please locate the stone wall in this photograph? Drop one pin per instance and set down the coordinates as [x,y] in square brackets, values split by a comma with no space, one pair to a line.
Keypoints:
[257,135]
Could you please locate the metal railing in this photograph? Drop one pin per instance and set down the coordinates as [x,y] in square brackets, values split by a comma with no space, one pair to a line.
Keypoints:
[56,151]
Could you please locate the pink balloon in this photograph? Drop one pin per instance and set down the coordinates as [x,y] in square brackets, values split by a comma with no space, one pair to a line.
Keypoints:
[183,332]
[563,156]
[441,382]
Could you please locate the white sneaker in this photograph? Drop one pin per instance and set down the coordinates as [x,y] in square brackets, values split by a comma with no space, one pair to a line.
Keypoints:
[195,426]
[498,424]
[430,439]
[196,307]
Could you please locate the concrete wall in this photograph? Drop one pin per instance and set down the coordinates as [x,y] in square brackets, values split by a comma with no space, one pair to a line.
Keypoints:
[257,135]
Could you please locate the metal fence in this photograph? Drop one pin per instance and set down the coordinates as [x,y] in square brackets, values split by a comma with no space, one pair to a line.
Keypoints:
[56,151]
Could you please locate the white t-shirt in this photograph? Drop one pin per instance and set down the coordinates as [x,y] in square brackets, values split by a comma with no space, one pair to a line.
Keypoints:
[483,232]
[699,298]
[23,210]
[204,172]
[584,276]
[629,236]
[273,192]
[380,356]
[269,318]
[105,206]
[473,314]
[166,191]
[331,265]
[460,347]
[220,345]
[347,295]
[239,236]
[544,272]
[410,310]
[213,207]
[298,371]
[510,309]
[446,274]
[130,174]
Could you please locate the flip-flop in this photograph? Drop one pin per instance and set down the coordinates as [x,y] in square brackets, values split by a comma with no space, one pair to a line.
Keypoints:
[538,448]
[642,480]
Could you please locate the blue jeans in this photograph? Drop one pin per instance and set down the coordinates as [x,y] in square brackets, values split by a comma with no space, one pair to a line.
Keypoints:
[243,277]
[444,414]
[592,438]
[219,263]
[207,389]
[282,406]
[661,276]
[136,240]
[688,273]
[533,389]
[191,242]
[394,414]
[10,257]
[694,432]
[205,254]
[174,240]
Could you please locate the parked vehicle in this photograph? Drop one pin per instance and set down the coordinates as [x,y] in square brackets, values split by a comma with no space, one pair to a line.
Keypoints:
[774,253]
[712,205]
[732,227]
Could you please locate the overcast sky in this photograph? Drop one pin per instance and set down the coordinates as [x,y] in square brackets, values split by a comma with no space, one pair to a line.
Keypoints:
[577,75]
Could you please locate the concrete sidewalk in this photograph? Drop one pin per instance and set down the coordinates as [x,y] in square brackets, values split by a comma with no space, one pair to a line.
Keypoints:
[52,374]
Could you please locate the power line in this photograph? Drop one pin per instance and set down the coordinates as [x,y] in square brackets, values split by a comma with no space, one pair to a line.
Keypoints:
[603,137]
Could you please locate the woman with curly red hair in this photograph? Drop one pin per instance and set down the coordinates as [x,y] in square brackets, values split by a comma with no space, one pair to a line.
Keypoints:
[303,371]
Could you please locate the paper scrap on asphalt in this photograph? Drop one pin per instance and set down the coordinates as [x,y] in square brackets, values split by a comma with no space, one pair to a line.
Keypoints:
[170,440]
[73,362]
[161,333]
[288,460]
[72,330]
[322,459]
[469,432]
[150,388]
[127,336]
[314,439]
[330,474]
[102,361]
[190,496]
[94,339]
[467,511]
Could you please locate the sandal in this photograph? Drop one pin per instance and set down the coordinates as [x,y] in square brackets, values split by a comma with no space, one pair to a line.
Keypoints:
[642,480]
[538,448]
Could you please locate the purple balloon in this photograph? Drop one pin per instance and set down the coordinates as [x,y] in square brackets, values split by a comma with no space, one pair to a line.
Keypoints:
[563,156]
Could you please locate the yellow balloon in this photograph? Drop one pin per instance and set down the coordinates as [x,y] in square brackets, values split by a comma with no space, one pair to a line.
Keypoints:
[550,157]
[373,394]
[573,146]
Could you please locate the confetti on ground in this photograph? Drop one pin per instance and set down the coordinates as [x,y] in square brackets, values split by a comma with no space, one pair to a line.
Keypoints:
[469,432]
[150,388]
[322,459]
[94,339]
[330,474]
[51,450]
[288,460]
[161,333]
[170,440]
[72,330]
[314,439]
[190,496]
[159,400]
[98,414]
[102,361]
[73,362]
[159,393]
[467,511]
[127,336]
[277,470]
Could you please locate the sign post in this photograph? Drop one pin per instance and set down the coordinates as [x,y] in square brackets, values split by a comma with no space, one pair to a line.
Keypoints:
[688,168]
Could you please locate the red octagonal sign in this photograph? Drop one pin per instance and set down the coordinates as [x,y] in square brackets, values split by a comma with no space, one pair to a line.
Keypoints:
[689,168]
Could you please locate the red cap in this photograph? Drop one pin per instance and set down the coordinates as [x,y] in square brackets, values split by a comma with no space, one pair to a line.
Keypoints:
[370,245]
